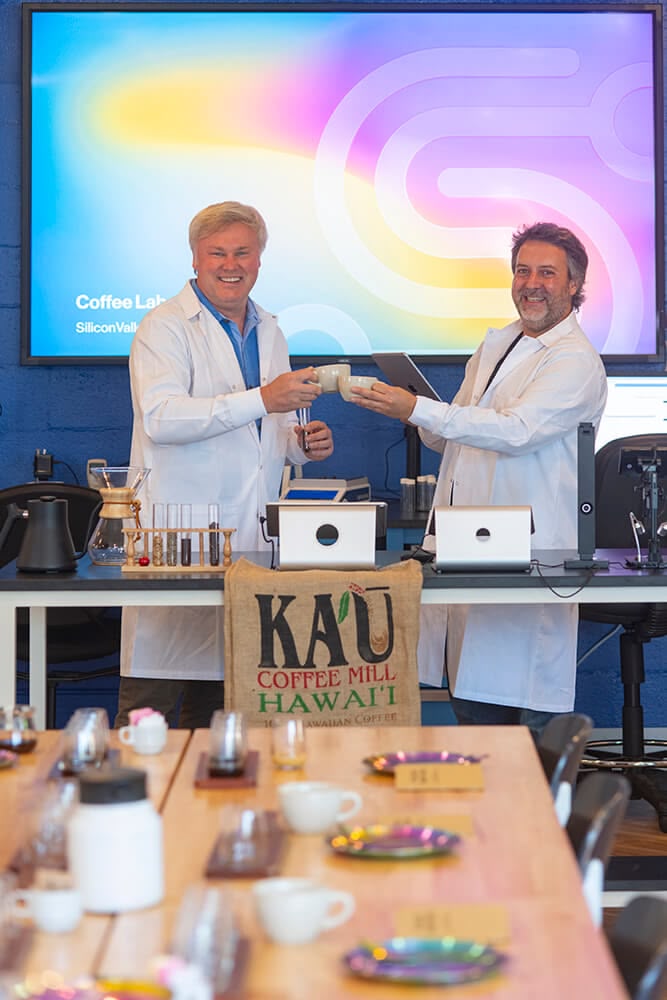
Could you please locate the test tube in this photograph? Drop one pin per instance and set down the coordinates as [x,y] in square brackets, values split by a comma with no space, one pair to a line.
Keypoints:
[407,496]
[186,538]
[158,542]
[422,493]
[213,536]
[172,536]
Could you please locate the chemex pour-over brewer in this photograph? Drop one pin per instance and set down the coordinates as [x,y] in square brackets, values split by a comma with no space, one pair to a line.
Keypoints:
[120,509]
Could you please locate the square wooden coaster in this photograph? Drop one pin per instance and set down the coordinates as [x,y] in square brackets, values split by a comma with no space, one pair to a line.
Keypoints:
[246,780]
[220,867]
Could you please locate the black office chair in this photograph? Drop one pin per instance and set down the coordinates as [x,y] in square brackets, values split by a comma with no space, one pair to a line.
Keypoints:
[560,747]
[616,497]
[74,635]
[638,941]
[597,810]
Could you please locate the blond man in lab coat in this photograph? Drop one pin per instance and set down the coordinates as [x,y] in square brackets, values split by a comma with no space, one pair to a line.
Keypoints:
[509,437]
[214,404]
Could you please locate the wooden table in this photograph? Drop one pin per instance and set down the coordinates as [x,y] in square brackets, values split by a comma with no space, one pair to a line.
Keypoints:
[72,955]
[517,856]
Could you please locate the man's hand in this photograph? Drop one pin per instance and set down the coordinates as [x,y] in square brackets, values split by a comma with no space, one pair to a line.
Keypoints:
[291,391]
[389,400]
[320,440]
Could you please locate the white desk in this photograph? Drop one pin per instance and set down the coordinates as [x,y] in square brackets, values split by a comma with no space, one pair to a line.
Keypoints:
[97,586]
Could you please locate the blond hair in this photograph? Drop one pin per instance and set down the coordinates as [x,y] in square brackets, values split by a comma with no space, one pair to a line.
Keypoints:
[216,217]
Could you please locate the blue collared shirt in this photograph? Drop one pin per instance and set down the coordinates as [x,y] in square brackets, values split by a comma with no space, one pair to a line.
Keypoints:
[245,344]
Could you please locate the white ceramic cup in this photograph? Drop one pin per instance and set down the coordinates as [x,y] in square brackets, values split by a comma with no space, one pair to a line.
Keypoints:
[149,735]
[55,911]
[297,910]
[314,806]
[347,382]
[327,376]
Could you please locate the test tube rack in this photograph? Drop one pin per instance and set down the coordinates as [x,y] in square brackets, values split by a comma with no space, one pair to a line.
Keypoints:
[141,551]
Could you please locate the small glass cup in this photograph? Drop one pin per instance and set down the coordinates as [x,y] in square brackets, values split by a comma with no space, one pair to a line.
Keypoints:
[85,738]
[288,743]
[228,743]
[206,934]
[47,848]
[17,728]
[243,844]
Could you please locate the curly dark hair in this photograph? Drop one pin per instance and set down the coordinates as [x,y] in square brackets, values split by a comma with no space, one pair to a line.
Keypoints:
[558,236]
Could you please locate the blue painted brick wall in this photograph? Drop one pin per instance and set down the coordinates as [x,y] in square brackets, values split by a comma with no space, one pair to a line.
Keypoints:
[81,412]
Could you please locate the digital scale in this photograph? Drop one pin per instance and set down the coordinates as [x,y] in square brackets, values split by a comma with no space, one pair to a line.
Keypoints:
[327,490]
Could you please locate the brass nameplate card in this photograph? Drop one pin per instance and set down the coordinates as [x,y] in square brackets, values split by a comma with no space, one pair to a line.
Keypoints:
[446,777]
[487,923]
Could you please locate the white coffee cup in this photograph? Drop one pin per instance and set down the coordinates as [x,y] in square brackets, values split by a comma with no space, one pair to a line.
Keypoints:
[148,735]
[327,376]
[314,806]
[347,382]
[55,911]
[296,910]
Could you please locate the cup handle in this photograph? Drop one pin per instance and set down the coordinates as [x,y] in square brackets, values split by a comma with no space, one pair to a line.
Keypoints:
[355,805]
[125,735]
[344,908]
[20,903]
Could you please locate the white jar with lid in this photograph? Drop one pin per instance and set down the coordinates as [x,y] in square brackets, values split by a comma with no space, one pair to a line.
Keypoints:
[114,842]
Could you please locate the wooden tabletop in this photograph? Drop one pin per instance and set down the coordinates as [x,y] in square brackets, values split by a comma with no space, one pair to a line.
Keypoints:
[516,856]
[75,954]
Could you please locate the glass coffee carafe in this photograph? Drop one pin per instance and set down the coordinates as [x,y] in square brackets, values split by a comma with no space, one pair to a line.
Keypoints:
[120,509]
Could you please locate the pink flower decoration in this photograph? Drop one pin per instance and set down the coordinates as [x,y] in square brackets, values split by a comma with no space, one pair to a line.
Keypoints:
[137,714]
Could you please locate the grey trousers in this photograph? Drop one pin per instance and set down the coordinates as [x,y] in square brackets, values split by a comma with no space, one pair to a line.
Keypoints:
[184,704]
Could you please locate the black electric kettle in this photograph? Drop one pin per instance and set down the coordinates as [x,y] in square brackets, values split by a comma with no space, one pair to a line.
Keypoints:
[47,545]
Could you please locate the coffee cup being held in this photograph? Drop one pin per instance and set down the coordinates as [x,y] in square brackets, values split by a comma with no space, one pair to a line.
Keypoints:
[315,806]
[328,375]
[297,910]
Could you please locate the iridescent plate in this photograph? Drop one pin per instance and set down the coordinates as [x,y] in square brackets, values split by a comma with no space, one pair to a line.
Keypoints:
[400,840]
[442,962]
[7,758]
[384,763]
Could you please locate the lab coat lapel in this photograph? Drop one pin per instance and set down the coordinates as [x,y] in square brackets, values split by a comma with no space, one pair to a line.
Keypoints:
[494,346]
[524,348]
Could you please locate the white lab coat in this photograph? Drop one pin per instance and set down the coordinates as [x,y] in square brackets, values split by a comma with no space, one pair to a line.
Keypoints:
[516,444]
[195,428]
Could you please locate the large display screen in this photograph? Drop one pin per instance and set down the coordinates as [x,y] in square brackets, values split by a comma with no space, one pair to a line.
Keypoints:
[392,150]
[635,405]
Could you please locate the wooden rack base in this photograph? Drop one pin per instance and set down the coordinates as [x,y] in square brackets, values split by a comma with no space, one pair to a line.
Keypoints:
[140,561]
[172,570]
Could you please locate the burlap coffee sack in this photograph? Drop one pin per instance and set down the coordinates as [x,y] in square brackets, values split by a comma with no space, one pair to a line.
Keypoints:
[334,647]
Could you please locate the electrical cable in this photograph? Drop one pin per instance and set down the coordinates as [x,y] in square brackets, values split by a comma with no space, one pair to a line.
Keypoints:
[69,468]
[386,466]
[599,642]
[269,541]
[637,530]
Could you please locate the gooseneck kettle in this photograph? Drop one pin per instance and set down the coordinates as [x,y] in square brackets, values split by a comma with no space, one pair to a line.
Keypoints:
[47,545]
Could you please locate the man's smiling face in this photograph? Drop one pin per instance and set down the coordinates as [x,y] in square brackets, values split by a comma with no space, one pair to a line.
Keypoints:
[542,290]
[227,264]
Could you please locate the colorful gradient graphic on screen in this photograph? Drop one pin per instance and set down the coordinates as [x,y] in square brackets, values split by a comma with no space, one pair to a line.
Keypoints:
[392,153]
